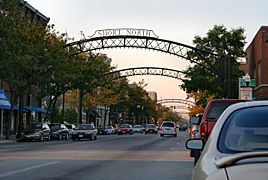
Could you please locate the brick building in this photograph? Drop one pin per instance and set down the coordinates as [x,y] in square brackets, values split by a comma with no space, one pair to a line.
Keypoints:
[257,62]
[32,104]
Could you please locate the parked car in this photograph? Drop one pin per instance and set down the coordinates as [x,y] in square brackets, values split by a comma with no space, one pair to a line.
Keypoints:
[150,128]
[212,112]
[194,131]
[110,130]
[168,128]
[85,131]
[101,130]
[59,131]
[125,129]
[36,132]
[71,128]
[138,129]
[238,145]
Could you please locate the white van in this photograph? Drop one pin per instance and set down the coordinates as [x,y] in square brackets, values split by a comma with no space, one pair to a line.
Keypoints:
[168,128]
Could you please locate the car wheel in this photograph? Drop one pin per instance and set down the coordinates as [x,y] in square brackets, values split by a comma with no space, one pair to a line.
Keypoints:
[90,138]
[42,138]
[67,136]
[48,138]
[95,137]
[60,137]
[161,135]
[73,139]
[175,135]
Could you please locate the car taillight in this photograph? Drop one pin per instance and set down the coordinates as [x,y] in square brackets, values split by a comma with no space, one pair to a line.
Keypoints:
[160,128]
[175,129]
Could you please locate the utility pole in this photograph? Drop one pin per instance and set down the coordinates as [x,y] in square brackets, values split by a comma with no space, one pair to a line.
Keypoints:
[229,75]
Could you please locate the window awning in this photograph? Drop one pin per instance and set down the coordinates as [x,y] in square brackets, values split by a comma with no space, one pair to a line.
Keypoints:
[36,109]
[4,101]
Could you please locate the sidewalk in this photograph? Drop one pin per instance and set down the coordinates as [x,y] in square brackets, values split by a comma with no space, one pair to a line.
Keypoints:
[12,139]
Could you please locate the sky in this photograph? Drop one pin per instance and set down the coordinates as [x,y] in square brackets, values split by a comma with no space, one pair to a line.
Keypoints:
[174,20]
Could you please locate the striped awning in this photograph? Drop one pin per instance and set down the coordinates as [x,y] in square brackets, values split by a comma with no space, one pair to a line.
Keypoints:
[4,100]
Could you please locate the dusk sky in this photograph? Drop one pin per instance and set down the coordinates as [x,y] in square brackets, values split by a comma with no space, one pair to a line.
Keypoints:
[173,20]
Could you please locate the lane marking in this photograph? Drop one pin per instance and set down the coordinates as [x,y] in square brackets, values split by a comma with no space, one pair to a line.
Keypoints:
[26,169]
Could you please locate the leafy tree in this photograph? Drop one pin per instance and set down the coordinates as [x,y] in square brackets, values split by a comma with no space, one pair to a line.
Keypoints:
[21,45]
[70,115]
[209,77]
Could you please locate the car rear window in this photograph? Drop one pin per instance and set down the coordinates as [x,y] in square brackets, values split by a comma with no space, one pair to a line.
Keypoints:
[217,109]
[245,130]
[168,125]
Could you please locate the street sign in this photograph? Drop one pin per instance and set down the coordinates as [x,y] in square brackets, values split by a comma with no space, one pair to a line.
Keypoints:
[246,93]
[243,83]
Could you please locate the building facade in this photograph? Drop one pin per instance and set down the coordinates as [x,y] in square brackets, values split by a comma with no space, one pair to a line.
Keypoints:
[32,104]
[257,63]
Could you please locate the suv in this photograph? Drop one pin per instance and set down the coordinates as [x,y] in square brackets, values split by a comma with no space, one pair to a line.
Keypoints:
[213,111]
[168,128]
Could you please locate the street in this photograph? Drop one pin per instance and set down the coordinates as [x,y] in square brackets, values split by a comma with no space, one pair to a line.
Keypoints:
[137,156]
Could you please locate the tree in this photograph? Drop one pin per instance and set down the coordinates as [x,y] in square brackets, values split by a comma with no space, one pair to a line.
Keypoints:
[209,77]
[89,76]
[21,45]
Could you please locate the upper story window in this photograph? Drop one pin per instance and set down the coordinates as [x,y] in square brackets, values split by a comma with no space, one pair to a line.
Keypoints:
[266,37]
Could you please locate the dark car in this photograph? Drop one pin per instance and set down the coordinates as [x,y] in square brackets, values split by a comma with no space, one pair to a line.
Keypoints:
[125,129]
[59,131]
[102,130]
[150,128]
[36,132]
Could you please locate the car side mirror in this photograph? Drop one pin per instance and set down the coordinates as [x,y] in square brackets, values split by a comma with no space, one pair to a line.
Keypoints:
[194,120]
[195,144]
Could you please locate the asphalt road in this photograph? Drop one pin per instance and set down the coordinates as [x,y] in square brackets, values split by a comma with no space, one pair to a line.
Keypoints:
[137,156]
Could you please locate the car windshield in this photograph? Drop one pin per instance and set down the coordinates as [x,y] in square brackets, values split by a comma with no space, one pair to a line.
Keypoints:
[55,127]
[137,126]
[125,126]
[84,127]
[217,110]
[245,130]
[167,125]
[150,126]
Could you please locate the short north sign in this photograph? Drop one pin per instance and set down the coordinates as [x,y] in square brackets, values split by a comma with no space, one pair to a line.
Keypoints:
[124,31]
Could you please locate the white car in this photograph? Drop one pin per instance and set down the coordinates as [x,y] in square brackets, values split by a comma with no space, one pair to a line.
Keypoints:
[138,128]
[85,131]
[109,130]
[168,128]
[237,148]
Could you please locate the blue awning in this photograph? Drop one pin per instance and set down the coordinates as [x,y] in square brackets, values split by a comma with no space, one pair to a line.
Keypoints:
[36,109]
[4,101]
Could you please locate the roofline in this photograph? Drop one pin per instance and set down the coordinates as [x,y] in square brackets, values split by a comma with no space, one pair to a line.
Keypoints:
[26,4]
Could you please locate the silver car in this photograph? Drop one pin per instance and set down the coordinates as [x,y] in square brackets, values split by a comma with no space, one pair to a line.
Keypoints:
[238,145]
[85,131]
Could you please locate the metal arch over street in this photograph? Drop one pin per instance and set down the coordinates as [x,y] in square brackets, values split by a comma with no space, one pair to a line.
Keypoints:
[183,101]
[147,71]
[113,38]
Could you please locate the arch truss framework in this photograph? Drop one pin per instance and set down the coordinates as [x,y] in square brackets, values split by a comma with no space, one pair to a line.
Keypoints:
[147,71]
[180,101]
[130,41]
